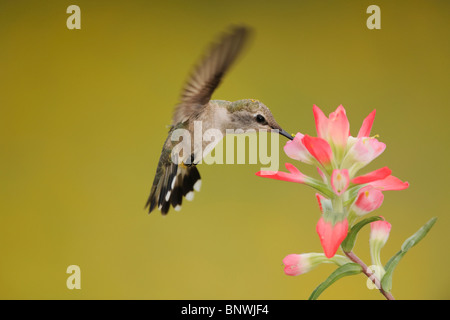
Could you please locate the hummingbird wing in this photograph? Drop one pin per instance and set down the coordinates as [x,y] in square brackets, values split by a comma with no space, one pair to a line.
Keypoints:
[172,183]
[208,73]
[175,179]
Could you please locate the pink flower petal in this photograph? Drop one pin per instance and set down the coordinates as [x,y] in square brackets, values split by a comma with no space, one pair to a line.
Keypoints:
[366,149]
[338,127]
[295,149]
[293,169]
[319,198]
[293,265]
[319,149]
[324,203]
[367,125]
[378,174]
[379,230]
[321,122]
[294,176]
[340,181]
[331,236]
[368,200]
[390,183]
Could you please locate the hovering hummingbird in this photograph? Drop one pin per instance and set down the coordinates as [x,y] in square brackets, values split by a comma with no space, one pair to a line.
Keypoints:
[178,178]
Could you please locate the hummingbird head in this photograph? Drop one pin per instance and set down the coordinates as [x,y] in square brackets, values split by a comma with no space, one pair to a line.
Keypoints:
[253,114]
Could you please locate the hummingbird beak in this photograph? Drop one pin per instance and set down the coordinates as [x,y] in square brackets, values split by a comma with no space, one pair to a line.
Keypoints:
[284,133]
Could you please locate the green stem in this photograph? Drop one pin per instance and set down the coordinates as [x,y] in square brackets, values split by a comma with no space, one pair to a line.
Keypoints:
[321,187]
[351,217]
[338,204]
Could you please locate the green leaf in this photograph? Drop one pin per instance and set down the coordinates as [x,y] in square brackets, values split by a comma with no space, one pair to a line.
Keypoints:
[419,235]
[349,242]
[347,269]
[386,282]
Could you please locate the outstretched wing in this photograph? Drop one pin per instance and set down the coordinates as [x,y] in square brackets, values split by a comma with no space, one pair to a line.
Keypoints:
[208,73]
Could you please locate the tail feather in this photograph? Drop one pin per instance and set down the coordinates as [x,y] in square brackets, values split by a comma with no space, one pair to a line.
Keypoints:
[177,194]
[172,182]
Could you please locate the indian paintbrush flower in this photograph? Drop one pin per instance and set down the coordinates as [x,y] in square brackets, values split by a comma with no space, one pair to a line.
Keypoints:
[379,234]
[368,200]
[343,196]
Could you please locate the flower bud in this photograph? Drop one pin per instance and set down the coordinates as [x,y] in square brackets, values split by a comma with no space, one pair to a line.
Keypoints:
[379,231]
[379,234]
[297,264]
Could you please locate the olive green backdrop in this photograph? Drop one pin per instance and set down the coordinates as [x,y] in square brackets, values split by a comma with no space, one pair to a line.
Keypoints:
[84,114]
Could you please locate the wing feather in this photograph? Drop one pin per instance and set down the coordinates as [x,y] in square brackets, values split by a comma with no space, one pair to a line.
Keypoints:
[209,72]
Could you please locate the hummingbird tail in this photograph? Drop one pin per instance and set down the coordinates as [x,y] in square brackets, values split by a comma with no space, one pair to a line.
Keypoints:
[173,182]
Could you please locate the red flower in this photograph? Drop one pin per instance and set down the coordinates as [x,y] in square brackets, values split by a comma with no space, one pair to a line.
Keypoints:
[368,200]
[294,176]
[378,174]
[319,149]
[331,235]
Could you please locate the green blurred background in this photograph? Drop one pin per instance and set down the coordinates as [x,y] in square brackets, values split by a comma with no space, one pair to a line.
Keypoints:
[84,115]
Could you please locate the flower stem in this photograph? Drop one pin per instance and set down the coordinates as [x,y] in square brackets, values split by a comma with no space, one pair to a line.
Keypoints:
[369,274]
[338,205]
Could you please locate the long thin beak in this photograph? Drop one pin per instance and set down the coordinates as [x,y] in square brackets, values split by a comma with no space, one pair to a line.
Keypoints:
[287,135]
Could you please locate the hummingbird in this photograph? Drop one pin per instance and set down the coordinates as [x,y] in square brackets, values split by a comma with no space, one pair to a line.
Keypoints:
[176,179]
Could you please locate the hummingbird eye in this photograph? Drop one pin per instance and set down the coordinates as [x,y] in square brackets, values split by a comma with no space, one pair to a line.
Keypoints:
[260,119]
